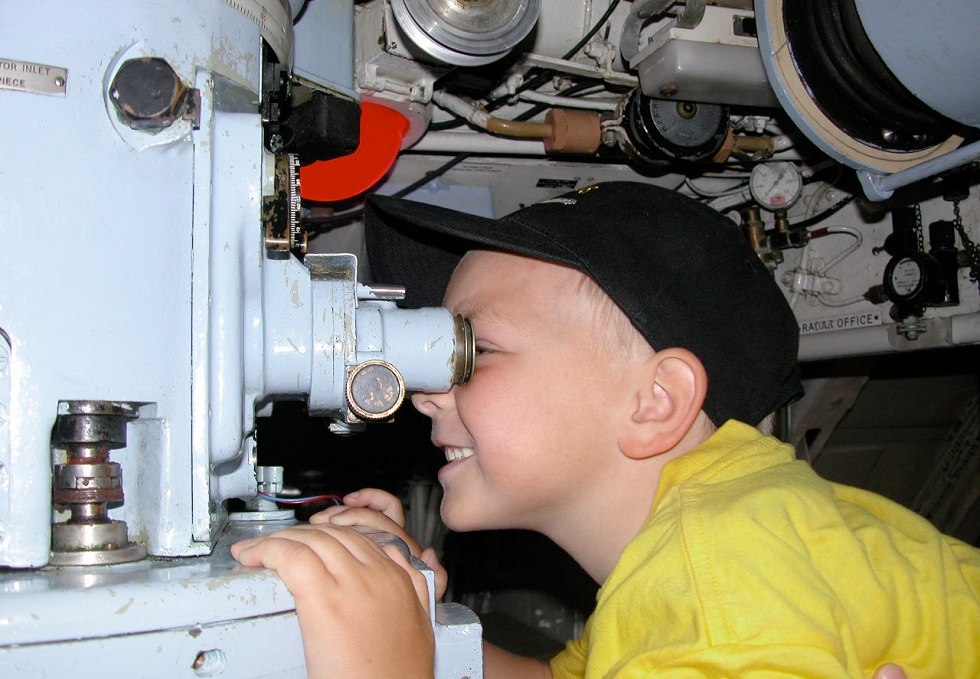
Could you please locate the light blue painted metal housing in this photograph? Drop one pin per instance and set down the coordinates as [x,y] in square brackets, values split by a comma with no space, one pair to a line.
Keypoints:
[197,617]
[942,67]
[133,268]
[929,47]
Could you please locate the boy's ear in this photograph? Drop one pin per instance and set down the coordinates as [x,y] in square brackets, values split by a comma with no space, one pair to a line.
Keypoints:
[669,391]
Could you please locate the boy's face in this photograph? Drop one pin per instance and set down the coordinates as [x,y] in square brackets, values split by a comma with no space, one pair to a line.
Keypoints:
[528,437]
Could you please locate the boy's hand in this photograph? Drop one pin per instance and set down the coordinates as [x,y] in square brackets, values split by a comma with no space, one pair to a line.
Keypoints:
[369,507]
[382,510]
[362,608]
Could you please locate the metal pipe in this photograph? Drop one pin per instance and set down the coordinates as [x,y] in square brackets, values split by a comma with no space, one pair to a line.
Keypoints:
[474,142]
[570,102]
[881,187]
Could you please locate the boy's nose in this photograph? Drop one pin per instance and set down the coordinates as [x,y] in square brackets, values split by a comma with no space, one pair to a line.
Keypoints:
[429,403]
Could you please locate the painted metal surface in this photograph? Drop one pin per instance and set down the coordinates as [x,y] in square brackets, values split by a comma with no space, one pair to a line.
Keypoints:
[197,617]
[794,96]
[158,289]
[110,313]
[326,58]
[133,269]
[943,72]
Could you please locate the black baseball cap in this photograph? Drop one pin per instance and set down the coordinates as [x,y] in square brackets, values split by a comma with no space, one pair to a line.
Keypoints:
[681,272]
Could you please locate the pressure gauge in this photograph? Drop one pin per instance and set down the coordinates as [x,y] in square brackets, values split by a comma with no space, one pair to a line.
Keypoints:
[917,278]
[904,277]
[777,185]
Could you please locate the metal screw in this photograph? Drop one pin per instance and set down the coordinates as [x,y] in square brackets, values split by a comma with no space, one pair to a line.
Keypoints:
[888,135]
[687,109]
[59,81]
[668,89]
[149,94]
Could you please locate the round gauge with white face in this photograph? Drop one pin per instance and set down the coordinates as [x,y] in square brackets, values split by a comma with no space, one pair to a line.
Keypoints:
[904,277]
[776,185]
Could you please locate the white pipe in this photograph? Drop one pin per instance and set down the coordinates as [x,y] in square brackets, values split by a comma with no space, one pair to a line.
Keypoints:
[963,329]
[966,329]
[858,240]
[569,102]
[474,142]
[874,340]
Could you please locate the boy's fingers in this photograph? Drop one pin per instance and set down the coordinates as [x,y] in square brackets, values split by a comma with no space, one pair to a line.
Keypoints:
[323,516]
[242,544]
[333,546]
[418,580]
[345,586]
[430,559]
[378,500]
[359,516]
[299,566]
[366,498]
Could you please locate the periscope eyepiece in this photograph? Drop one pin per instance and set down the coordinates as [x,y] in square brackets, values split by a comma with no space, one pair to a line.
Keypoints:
[465,350]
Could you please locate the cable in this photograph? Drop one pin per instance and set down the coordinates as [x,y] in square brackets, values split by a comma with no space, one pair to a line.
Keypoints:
[810,221]
[432,174]
[852,232]
[300,500]
[540,77]
[826,298]
[442,169]
[705,193]
[592,31]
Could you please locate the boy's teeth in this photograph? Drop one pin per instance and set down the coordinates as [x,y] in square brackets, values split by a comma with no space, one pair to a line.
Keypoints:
[453,454]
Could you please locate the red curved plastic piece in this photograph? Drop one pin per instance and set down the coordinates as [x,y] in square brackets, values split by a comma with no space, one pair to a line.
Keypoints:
[382,131]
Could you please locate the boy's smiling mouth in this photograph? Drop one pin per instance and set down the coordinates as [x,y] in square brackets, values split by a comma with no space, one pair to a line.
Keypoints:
[453,454]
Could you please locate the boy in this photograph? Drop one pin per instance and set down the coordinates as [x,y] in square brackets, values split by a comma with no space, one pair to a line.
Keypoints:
[628,341]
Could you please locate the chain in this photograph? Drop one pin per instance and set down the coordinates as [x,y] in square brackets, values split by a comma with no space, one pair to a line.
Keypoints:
[971,248]
[917,229]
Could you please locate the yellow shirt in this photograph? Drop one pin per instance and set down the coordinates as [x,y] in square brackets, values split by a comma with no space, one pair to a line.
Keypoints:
[751,565]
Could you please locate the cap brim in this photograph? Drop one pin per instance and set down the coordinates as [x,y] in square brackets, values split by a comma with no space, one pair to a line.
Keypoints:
[418,245]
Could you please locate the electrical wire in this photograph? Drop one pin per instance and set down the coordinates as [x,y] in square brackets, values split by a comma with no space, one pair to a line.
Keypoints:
[705,193]
[803,272]
[430,175]
[852,232]
[810,221]
[442,169]
[301,500]
[822,297]
[540,77]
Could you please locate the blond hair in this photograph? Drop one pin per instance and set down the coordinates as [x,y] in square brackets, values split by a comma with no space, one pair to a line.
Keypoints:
[612,331]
